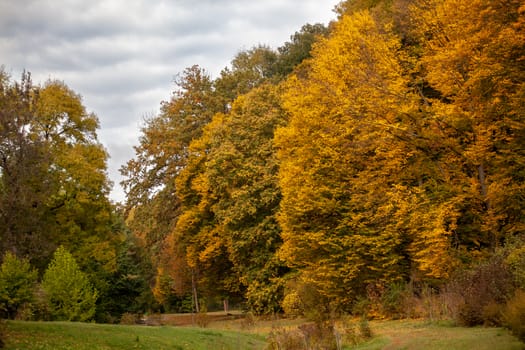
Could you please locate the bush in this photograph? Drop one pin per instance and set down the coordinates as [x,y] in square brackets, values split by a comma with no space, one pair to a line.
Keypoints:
[17,283]
[514,314]
[128,318]
[293,305]
[476,293]
[311,336]
[364,328]
[395,301]
[263,297]
[2,334]
[282,339]
[69,293]
[248,321]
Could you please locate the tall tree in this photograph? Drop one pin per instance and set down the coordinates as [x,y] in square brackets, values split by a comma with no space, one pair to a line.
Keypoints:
[54,184]
[24,182]
[295,51]
[153,206]
[472,58]
[241,173]
[340,160]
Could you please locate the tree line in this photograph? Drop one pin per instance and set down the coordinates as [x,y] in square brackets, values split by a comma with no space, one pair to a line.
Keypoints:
[384,150]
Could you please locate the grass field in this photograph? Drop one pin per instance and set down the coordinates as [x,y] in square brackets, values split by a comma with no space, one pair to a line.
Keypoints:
[82,336]
[414,335]
[235,334]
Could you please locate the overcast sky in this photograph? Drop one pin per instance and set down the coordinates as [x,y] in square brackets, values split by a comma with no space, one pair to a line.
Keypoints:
[122,55]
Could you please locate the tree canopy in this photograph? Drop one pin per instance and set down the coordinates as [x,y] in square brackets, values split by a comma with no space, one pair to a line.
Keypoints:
[382,149]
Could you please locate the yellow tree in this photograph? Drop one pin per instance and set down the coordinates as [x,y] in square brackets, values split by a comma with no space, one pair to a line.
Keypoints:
[340,158]
[472,57]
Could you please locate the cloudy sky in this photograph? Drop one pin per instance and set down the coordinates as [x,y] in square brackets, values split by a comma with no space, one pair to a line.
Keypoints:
[122,55]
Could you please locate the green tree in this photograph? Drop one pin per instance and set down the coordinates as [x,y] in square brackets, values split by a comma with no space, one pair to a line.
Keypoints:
[242,172]
[17,284]
[54,187]
[70,295]
[25,184]
[153,206]
[295,51]
[249,69]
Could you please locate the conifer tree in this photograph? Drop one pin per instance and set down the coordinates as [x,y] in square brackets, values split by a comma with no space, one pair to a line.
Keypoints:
[69,292]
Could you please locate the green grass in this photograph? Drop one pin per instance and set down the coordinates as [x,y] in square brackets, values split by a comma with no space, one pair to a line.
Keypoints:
[412,335]
[388,335]
[82,336]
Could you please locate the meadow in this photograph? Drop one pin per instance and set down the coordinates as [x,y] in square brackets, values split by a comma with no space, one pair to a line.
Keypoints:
[238,334]
[89,336]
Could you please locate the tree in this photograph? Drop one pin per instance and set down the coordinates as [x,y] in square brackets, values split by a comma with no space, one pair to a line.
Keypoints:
[248,70]
[295,51]
[17,284]
[340,156]
[472,56]
[25,185]
[54,185]
[70,295]
[153,206]
[242,174]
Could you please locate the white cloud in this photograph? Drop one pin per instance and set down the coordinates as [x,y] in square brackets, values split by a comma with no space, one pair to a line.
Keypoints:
[122,55]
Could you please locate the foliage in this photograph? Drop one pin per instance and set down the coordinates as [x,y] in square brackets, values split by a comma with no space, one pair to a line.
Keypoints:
[514,314]
[402,144]
[386,148]
[24,182]
[210,226]
[17,284]
[53,174]
[129,290]
[299,48]
[480,290]
[394,301]
[292,305]
[2,334]
[129,319]
[152,202]
[70,295]
[53,182]
[333,198]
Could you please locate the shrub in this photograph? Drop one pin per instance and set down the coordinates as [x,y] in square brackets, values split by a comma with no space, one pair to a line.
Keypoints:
[395,301]
[477,292]
[282,339]
[514,314]
[293,305]
[320,336]
[69,293]
[17,283]
[202,319]
[351,333]
[361,307]
[2,334]
[263,298]
[128,318]
[248,321]
[364,328]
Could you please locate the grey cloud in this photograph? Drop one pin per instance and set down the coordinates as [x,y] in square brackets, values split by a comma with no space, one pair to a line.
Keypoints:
[122,55]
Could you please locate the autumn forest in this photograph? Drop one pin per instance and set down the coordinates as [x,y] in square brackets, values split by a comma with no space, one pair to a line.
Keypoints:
[357,168]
